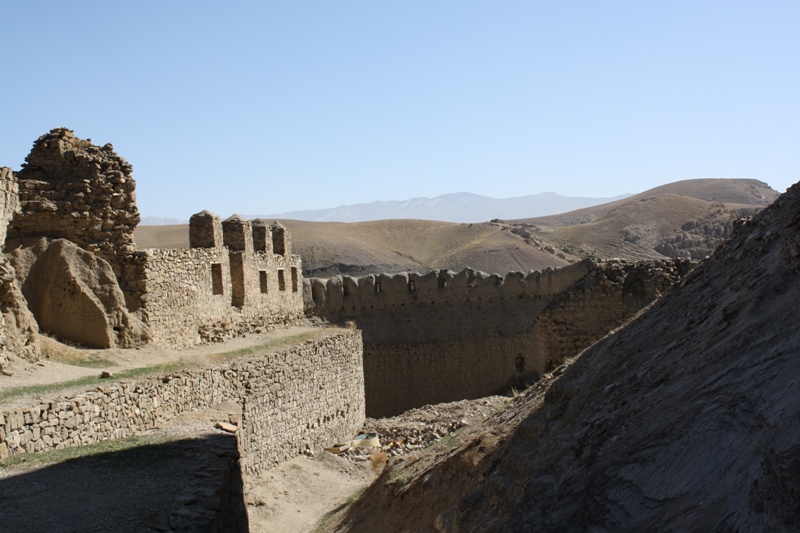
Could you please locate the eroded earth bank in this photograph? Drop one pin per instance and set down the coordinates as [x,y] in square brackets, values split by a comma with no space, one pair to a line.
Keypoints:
[684,420]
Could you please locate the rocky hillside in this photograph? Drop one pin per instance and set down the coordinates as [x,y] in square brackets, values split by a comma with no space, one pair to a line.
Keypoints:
[686,219]
[684,420]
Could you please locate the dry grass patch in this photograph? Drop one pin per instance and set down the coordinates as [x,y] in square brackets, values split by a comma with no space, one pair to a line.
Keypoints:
[377,461]
[67,354]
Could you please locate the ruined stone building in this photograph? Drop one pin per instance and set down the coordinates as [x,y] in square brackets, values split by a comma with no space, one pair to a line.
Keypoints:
[70,268]
[70,215]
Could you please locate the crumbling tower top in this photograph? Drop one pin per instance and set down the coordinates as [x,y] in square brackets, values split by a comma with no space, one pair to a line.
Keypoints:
[71,189]
[205,230]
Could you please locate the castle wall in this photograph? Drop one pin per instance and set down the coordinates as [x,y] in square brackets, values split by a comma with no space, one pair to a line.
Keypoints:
[182,306]
[446,336]
[303,397]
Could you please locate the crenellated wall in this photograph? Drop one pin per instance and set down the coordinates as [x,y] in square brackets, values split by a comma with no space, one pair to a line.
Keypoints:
[446,336]
[227,284]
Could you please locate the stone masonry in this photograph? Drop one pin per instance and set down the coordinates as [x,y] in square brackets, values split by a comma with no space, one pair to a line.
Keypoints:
[71,189]
[228,283]
[237,277]
[302,397]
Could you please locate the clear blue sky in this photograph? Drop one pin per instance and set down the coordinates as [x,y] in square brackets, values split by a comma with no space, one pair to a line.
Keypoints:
[262,107]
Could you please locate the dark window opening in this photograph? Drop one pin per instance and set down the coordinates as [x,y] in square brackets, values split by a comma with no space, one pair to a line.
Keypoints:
[278,241]
[281,280]
[216,278]
[294,279]
[263,281]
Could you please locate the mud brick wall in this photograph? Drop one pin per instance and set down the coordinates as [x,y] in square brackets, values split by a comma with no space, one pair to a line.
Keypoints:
[447,336]
[302,397]
[72,189]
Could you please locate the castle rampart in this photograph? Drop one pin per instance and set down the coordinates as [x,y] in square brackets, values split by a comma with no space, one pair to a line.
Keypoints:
[445,336]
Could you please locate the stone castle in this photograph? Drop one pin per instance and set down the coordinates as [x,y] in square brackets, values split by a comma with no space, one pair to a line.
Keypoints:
[70,215]
[71,268]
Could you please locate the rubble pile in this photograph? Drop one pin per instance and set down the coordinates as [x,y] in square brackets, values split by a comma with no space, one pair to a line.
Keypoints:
[419,428]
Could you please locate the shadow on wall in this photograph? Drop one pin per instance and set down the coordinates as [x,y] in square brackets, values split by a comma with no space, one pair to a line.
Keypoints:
[192,484]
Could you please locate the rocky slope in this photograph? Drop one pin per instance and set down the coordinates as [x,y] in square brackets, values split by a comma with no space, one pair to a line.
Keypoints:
[684,420]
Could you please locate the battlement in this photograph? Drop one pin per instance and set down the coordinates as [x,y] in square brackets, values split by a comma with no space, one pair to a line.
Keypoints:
[343,297]
[445,336]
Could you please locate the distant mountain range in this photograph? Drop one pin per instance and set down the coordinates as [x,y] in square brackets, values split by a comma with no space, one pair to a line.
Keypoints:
[458,207]
[159,221]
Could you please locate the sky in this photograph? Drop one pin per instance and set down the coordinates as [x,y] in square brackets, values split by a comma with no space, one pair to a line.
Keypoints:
[266,107]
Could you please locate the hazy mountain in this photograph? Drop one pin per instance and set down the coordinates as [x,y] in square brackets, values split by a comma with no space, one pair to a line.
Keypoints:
[458,207]
[159,221]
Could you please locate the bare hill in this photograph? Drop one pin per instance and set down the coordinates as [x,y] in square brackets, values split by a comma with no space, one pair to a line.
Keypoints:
[684,420]
[686,219]
[650,228]
[330,248]
[716,190]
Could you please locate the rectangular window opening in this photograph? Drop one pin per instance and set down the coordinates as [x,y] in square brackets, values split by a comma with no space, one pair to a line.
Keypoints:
[281,280]
[216,278]
[294,279]
[263,281]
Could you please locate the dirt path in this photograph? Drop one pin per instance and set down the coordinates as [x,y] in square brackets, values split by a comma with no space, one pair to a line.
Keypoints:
[296,495]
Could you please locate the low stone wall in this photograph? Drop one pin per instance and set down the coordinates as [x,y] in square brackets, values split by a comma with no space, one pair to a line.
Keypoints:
[302,397]
[447,336]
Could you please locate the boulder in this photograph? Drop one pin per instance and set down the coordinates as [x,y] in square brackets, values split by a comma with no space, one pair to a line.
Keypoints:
[75,296]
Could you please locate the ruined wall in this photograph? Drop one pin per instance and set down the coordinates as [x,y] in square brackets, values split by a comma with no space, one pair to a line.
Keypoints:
[9,199]
[303,397]
[228,284]
[72,189]
[445,336]
[18,328]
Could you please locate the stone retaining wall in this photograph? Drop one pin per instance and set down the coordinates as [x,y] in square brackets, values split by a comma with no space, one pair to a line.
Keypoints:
[302,397]
[447,336]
